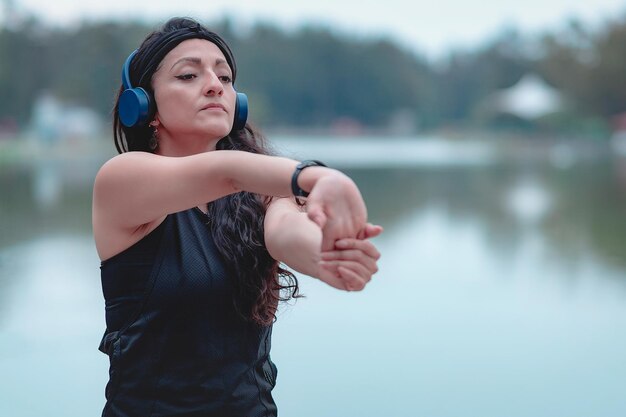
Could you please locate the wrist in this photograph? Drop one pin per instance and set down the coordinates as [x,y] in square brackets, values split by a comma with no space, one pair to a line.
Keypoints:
[304,177]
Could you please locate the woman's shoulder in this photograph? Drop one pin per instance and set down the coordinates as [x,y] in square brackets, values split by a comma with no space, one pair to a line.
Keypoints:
[123,160]
[120,168]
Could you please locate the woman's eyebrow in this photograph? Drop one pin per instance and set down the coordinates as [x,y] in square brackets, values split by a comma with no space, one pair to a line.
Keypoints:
[192,59]
[197,61]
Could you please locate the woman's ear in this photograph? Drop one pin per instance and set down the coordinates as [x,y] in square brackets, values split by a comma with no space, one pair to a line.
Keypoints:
[155,122]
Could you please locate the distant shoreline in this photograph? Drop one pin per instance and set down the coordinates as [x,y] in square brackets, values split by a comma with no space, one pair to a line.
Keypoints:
[372,149]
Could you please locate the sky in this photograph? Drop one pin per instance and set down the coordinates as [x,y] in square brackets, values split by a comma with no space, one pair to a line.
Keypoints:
[427,27]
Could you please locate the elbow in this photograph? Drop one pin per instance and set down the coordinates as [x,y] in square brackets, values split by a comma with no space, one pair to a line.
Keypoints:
[232,186]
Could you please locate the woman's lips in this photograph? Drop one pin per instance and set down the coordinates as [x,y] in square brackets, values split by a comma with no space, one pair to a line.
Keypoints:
[214,106]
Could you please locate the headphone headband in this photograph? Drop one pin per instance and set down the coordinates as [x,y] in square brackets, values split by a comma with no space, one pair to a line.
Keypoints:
[126,71]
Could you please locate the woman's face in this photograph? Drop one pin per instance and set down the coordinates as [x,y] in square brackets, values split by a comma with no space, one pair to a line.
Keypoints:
[194,92]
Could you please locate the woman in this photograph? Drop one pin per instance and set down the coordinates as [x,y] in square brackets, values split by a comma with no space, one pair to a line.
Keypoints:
[191,225]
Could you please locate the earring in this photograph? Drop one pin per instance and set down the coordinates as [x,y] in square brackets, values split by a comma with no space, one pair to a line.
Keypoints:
[153,143]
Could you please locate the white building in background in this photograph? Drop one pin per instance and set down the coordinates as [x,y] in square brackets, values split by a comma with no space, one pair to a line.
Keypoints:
[62,156]
[530,98]
[53,121]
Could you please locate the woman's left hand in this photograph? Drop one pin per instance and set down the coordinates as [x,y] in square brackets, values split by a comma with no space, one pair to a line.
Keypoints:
[352,263]
[335,204]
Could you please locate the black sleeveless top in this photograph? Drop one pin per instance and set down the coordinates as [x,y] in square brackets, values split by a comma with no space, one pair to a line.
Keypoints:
[175,342]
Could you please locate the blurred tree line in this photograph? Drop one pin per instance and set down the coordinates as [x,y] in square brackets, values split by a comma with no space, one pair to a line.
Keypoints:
[313,78]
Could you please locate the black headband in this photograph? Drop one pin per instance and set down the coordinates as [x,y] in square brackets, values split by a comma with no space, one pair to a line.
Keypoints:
[148,60]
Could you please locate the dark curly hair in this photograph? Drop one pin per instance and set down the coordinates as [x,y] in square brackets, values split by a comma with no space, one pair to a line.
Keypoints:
[237,219]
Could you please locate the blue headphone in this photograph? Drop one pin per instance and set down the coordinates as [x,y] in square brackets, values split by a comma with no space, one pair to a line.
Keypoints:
[135,107]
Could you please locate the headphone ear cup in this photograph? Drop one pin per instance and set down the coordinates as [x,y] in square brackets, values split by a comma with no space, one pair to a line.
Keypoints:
[134,107]
[241,111]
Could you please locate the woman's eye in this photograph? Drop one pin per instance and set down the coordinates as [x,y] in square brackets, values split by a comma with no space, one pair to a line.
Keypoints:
[186,77]
[225,78]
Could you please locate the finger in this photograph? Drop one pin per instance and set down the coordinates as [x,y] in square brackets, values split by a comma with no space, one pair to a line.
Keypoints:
[331,276]
[374,230]
[352,281]
[329,266]
[352,255]
[362,245]
[359,269]
[328,240]
[368,258]
[371,230]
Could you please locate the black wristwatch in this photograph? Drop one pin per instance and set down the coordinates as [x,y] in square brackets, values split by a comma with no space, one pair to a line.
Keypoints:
[295,188]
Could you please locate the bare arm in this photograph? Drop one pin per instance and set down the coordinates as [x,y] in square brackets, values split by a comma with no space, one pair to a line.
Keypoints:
[137,188]
[291,237]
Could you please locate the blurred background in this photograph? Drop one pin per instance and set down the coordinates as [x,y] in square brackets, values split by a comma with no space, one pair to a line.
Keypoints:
[488,139]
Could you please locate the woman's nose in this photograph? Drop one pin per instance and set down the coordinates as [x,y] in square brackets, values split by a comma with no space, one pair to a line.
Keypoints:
[213,85]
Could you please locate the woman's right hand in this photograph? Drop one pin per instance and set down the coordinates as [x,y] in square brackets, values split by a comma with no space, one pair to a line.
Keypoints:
[352,263]
[337,207]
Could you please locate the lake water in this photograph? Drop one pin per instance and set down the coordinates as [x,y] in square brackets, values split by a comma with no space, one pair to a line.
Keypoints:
[501,291]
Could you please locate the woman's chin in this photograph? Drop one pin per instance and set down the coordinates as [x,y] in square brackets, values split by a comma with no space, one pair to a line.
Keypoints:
[217,132]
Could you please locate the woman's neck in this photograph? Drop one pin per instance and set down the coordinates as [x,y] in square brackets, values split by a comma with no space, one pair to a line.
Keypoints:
[185,146]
